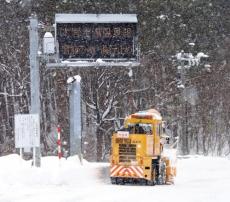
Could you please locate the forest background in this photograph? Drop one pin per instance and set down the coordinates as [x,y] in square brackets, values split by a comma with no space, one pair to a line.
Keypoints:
[184,73]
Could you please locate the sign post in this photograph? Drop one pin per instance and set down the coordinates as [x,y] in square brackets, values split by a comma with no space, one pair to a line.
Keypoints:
[92,40]
[75,115]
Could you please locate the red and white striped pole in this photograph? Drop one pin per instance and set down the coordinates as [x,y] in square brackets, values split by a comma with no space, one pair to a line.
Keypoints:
[59,142]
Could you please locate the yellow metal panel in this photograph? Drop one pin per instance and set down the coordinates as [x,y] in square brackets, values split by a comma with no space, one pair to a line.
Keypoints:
[149,145]
[157,145]
[147,168]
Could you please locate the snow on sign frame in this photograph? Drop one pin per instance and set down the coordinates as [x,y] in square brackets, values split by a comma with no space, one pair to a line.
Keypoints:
[27,130]
[110,37]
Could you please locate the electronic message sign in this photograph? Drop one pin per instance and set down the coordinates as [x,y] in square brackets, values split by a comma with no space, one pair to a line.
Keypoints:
[97,38]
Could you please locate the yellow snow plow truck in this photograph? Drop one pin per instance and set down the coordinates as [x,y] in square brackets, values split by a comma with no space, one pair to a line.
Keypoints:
[141,152]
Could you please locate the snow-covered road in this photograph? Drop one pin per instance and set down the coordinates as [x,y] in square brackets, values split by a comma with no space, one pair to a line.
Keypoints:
[200,179]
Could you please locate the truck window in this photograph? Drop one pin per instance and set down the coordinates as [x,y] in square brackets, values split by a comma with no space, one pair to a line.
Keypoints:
[159,129]
[140,128]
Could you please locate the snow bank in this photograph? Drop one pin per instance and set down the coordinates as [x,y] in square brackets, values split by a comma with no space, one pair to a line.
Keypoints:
[199,179]
[15,171]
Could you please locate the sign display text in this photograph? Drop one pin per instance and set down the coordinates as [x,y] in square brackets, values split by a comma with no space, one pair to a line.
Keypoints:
[92,41]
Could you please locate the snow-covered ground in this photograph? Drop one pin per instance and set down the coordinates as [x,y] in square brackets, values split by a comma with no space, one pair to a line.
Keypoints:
[200,179]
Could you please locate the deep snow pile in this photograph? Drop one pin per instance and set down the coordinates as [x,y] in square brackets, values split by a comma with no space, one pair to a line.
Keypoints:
[200,179]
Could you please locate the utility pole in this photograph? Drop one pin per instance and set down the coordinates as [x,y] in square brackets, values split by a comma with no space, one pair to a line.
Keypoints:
[185,134]
[183,124]
[75,115]
[34,78]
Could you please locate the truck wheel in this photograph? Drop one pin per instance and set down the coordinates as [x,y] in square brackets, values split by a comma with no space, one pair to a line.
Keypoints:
[162,177]
[113,180]
[120,180]
[150,182]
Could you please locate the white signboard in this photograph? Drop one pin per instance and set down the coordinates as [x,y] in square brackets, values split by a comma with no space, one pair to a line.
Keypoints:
[27,130]
[123,134]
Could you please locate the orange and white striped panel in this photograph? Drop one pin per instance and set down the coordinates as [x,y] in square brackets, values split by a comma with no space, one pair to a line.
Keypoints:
[138,170]
[124,171]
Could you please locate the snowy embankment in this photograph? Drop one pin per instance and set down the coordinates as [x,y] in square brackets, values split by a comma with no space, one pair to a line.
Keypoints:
[200,179]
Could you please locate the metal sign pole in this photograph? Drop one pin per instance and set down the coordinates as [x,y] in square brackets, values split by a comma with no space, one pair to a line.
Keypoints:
[75,116]
[34,77]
